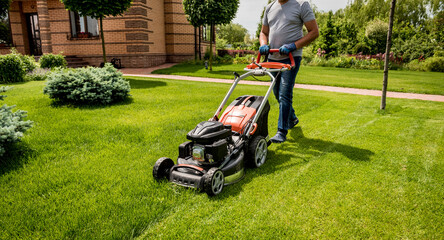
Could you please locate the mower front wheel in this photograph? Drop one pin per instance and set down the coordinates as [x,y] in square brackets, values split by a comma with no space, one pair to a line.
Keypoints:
[161,169]
[214,181]
[257,152]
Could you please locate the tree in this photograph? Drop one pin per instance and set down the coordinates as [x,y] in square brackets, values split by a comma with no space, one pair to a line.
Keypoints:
[211,12]
[98,9]
[376,32]
[4,8]
[328,37]
[232,33]
[387,55]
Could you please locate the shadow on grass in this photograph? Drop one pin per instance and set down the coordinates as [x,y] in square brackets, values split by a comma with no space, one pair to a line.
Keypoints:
[16,157]
[59,104]
[144,84]
[318,147]
[298,148]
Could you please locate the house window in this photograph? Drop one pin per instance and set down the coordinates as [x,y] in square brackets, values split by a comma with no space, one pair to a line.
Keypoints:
[83,26]
[5,31]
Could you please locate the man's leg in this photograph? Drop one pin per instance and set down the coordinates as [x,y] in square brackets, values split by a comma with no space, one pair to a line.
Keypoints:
[283,91]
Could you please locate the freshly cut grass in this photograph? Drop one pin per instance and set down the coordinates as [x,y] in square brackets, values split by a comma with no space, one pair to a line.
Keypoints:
[347,171]
[399,81]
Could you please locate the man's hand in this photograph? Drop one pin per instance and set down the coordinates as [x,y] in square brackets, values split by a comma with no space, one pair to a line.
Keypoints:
[264,50]
[287,48]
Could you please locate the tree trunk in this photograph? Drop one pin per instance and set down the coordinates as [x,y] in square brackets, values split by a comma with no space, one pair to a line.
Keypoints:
[195,44]
[211,46]
[387,56]
[200,43]
[103,40]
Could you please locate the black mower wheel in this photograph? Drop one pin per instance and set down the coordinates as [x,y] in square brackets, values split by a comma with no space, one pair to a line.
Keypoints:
[257,152]
[161,169]
[214,181]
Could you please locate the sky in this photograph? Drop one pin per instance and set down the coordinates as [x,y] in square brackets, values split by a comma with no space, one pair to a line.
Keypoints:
[249,12]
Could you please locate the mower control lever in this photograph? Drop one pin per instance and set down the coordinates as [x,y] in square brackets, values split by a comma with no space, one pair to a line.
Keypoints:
[276,51]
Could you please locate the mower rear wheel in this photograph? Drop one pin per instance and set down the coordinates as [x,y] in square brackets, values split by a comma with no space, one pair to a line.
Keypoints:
[214,181]
[161,169]
[257,152]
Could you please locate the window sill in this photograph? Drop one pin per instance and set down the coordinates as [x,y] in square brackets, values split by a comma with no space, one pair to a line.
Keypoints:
[80,39]
[5,46]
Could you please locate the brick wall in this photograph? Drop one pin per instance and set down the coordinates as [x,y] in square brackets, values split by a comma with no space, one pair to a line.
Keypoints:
[149,33]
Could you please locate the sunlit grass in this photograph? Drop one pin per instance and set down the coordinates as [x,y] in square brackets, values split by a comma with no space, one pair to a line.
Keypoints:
[347,171]
[399,81]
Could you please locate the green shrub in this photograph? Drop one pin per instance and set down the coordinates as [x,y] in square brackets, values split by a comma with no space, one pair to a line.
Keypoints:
[29,63]
[343,62]
[434,64]
[439,53]
[244,60]
[87,85]
[11,68]
[52,61]
[415,65]
[370,64]
[12,124]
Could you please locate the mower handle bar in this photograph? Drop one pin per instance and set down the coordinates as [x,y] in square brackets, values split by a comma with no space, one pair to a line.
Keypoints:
[276,51]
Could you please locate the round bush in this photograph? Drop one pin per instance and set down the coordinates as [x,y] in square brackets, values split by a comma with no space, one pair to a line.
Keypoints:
[29,63]
[11,68]
[435,64]
[12,124]
[87,85]
[52,61]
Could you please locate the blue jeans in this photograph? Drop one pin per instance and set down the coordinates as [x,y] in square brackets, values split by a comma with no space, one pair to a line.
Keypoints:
[283,91]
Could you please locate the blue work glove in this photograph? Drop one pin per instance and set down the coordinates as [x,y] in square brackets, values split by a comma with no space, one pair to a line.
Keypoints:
[287,48]
[264,50]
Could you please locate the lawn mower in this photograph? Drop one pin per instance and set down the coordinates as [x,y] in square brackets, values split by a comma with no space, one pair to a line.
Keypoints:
[219,149]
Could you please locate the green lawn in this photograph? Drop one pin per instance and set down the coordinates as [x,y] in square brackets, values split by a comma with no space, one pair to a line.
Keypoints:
[399,81]
[348,171]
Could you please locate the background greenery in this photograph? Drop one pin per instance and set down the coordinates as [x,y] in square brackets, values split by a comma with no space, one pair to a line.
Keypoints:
[348,170]
[361,28]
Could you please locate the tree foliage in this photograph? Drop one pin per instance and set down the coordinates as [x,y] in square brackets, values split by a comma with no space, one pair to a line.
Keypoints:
[98,8]
[4,7]
[232,33]
[328,37]
[211,12]
[362,28]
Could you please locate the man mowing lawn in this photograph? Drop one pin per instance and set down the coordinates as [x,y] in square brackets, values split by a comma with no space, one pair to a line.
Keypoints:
[282,27]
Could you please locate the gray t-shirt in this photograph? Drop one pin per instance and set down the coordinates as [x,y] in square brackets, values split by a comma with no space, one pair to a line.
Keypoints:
[286,22]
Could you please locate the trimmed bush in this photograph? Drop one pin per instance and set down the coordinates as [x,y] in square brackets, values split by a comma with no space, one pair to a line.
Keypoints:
[29,63]
[52,61]
[12,124]
[87,85]
[244,60]
[434,64]
[11,68]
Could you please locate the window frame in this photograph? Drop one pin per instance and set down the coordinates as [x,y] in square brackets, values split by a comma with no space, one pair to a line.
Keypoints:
[11,36]
[74,35]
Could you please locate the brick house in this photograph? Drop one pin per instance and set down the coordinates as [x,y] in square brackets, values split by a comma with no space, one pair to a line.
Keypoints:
[150,33]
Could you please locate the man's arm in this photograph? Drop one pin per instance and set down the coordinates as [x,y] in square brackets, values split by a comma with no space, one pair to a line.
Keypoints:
[263,37]
[313,33]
